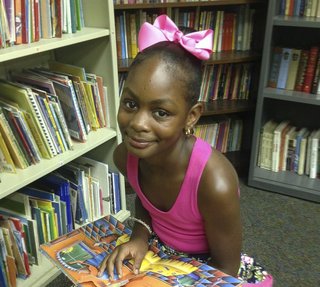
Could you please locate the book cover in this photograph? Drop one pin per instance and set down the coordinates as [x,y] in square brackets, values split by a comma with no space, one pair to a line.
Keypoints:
[277,135]
[45,19]
[284,146]
[28,228]
[22,270]
[6,161]
[54,199]
[76,177]
[308,152]
[60,186]
[284,68]
[266,145]
[293,68]
[25,149]
[301,134]
[24,97]
[304,56]
[310,69]
[314,155]
[291,149]
[11,142]
[79,254]
[4,270]
[303,154]
[100,171]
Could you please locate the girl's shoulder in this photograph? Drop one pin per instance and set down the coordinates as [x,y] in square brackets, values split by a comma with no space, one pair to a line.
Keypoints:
[219,177]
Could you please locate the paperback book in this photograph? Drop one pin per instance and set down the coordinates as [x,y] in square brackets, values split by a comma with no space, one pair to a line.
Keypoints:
[79,254]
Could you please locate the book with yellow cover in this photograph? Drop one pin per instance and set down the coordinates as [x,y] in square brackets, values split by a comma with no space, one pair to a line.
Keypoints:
[79,254]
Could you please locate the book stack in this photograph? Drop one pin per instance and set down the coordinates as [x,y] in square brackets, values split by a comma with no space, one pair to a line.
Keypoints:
[226,81]
[285,147]
[307,8]
[224,135]
[295,69]
[42,110]
[232,29]
[77,193]
[27,21]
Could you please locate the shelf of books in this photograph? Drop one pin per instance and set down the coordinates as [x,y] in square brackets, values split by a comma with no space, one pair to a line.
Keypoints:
[12,182]
[285,155]
[230,76]
[18,51]
[58,130]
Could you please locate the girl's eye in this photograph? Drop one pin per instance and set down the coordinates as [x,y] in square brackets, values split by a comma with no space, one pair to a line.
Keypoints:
[161,114]
[129,104]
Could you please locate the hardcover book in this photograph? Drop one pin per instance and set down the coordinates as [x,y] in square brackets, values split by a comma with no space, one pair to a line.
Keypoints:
[79,253]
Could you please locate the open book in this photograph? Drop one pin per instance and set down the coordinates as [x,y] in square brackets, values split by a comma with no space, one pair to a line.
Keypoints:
[79,253]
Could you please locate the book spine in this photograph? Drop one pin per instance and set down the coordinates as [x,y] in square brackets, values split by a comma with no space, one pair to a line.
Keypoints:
[314,157]
[310,69]
[48,124]
[43,128]
[20,138]
[62,140]
[301,70]
[60,116]
[29,136]
[293,69]
[284,68]
[83,136]
[302,156]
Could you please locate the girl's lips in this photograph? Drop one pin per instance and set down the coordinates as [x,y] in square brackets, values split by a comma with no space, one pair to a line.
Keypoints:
[138,143]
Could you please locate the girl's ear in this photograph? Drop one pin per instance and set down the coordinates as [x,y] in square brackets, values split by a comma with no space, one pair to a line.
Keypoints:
[194,115]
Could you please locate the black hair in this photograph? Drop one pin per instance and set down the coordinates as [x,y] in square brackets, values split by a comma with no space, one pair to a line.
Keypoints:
[181,63]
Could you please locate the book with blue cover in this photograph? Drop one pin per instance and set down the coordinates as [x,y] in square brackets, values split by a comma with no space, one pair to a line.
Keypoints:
[61,187]
[79,254]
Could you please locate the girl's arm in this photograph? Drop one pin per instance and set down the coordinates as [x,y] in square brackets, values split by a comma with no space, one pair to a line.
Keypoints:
[218,201]
[138,244]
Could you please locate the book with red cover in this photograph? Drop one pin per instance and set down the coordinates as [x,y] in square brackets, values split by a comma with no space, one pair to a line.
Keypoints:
[301,70]
[310,69]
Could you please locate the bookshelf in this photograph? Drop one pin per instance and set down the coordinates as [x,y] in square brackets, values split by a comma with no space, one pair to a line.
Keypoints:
[94,47]
[300,108]
[214,110]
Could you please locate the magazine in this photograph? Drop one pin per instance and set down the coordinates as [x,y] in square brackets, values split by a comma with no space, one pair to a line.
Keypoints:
[79,254]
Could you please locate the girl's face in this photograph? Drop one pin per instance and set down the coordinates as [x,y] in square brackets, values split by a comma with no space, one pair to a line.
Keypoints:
[153,111]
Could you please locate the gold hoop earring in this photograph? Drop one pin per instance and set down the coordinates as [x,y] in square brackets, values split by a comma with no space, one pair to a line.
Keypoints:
[188,131]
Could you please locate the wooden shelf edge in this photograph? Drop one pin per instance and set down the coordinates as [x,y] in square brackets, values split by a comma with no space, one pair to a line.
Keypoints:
[216,58]
[18,51]
[221,107]
[296,21]
[286,183]
[293,96]
[186,4]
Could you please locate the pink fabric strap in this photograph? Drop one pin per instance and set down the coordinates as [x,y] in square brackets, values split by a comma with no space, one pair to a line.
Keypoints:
[164,29]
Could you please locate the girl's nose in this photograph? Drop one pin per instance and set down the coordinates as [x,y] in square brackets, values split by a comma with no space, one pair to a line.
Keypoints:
[140,121]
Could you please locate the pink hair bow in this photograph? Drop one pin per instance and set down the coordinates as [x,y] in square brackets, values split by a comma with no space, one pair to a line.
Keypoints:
[164,29]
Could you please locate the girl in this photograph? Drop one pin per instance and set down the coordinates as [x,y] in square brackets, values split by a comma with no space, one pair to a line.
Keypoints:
[187,192]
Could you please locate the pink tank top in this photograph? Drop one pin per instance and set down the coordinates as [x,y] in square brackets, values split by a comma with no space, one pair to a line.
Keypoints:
[182,226]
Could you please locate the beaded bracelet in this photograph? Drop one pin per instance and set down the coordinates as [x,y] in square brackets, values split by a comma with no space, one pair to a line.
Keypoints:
[142,223]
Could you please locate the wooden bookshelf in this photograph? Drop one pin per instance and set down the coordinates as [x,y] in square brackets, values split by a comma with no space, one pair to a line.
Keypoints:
[94,48]
[299,108]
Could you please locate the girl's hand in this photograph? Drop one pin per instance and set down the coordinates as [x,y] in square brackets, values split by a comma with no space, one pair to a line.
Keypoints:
[134,249]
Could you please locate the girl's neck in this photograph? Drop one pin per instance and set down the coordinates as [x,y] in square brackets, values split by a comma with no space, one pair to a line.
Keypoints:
[170,161]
